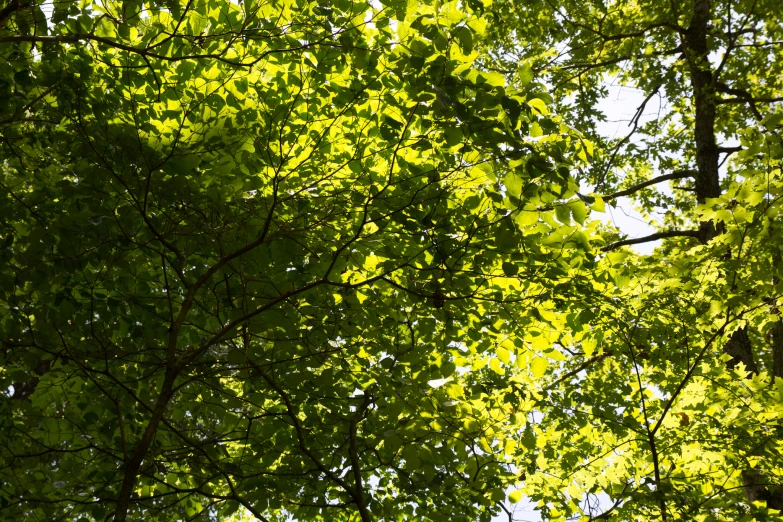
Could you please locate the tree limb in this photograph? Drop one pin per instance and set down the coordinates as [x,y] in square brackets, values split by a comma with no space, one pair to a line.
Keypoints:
[355,495]
[635,124]
[653,237]
[743,96]
[680,174]
[579,368]
[12,6]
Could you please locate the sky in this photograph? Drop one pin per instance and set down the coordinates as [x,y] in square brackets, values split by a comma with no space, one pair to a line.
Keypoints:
[619,107]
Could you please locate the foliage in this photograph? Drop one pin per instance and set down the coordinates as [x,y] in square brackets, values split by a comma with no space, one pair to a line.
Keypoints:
[336,261]
[250,252]
[663,420]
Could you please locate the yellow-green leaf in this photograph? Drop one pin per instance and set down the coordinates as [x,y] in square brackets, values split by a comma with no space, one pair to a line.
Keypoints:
[538,366]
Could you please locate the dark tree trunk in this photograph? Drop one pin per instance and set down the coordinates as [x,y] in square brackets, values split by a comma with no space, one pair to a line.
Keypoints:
[777,329]
[707,182]
[741,351]
[707,185]
[758,488]
[777,349]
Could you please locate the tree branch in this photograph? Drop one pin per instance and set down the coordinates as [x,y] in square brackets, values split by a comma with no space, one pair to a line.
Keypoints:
[743,96]
[579,368]
[354,455]
[27,107]
[606,515]
[748,98]
[355,495]
[680,174]
[653,237]
[12,6]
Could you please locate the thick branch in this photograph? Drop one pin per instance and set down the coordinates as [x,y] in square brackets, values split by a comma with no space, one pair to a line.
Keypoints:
[680,174]
[743,96]
[133,464]
[12,7]
[619,59]
[750,99]
[653,237]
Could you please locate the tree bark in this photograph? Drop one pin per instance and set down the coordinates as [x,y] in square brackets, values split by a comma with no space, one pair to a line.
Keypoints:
[741,351]
[757,488]
[777,329]
[707,180]
[777,349]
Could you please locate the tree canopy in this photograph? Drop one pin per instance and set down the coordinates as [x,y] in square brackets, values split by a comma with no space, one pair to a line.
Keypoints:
[310,260]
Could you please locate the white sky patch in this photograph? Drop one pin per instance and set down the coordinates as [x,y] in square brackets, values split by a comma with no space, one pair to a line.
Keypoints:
[437,383]
[619,107]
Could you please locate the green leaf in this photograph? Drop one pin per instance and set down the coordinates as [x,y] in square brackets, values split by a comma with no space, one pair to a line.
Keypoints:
[465,37]
[579,211]
[494,79]
[525,74]
[563,214]
[539,366]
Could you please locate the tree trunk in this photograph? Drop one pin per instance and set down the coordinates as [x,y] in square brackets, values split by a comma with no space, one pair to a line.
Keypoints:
[707,185]
[777,329]
[741,351]
[707,182]
[777,349]
[757,488]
